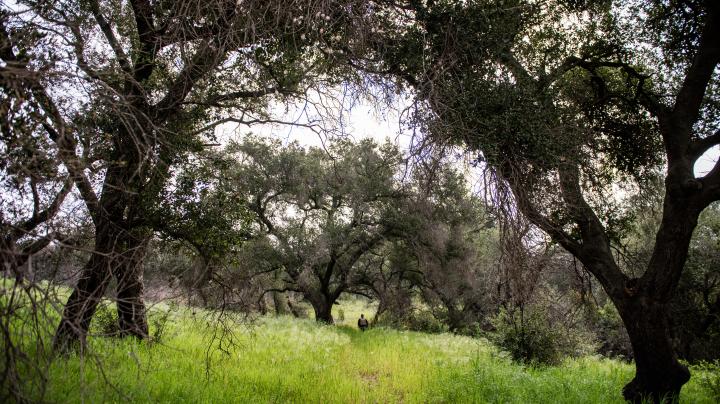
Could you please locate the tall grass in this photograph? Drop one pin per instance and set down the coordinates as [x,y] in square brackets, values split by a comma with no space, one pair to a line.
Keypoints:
[283,359]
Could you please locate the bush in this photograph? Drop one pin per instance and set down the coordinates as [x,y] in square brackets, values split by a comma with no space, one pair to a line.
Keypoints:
[610,331]
[425,321]
[529,337]
[707,375]
[159,322]
[105,321]
[415,320]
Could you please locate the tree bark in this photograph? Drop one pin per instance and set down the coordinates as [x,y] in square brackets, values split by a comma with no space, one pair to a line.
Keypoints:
[262,306]
[659,375]
[280,299]
[322,305]
[118,253]
[323,313]
[90,289]
[280,302]
[132,316]
[382,307]
[82,303]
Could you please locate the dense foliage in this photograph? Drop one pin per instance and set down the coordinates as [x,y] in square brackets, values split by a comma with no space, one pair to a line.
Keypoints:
[588,232]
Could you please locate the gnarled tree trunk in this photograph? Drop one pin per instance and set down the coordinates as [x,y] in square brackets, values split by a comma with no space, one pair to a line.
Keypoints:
[280,302]
[104,264]
[659,375]
[118,253]
[322,305]
[132,316]
[82,303]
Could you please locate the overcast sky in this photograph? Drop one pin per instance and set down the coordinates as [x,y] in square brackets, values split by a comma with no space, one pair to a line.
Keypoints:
[366,120]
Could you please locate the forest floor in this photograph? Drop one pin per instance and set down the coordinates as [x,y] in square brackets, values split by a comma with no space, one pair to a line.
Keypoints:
[197,359]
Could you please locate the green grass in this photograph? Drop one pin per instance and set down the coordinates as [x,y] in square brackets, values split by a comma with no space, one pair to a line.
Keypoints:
[283,359]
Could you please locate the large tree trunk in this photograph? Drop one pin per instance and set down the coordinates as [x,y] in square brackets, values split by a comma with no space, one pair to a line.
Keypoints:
[645,312]
[132,316]
[118,253]
[658,374]
[280,301]
[382,307]
[323,313]
[104,263]
[82,303]
[322,305]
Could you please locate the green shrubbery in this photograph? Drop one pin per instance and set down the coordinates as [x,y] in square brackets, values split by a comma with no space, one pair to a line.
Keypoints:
[105,321]
[413,320]
[160,322]
[606,324]
[707,375]
[530,337]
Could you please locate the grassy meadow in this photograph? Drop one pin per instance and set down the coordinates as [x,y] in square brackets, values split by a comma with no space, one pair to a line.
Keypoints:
[284,359]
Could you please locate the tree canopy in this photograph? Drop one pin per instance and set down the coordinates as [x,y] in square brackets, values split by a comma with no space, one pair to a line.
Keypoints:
[571,109]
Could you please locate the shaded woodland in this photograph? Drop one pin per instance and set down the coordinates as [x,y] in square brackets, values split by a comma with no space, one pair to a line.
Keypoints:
[550,198]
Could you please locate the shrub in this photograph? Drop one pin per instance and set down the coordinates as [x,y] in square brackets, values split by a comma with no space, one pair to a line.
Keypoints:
[425,321]
[610,332]
[528,337]
[105,321]
[159,322]
[415,320]
[707,375]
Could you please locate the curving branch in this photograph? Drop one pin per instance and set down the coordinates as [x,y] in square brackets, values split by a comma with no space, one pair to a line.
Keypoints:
[595,252]
[148,36]
[686,109]
[698,147]
[43,216]
[110,36]
[54,125]
[204,60]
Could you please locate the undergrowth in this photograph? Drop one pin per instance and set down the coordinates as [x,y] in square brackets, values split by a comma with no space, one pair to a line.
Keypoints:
[193,357]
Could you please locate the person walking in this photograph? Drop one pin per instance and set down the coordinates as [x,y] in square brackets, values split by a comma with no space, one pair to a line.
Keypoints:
[363,323]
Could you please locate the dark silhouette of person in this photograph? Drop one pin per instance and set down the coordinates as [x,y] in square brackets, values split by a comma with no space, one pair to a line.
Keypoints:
[363,323]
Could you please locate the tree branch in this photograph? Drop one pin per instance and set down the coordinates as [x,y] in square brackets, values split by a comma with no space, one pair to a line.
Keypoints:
[205,59]
[145,24]
[686,110]
[110,36]
[595,252]
[244,94]
[58,131]
[647,99]
[45,215]
[699,146]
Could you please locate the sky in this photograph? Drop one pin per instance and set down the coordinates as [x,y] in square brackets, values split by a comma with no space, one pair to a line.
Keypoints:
[366,120]
[360,119]
[706,162]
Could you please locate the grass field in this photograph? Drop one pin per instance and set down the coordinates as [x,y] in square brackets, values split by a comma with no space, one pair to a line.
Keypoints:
[283,359]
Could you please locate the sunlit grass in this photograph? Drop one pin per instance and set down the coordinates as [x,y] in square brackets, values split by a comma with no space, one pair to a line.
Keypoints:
[283,359]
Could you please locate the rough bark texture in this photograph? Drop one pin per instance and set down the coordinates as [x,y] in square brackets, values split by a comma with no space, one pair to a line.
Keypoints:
[644,307]
[658,374]
[132,316]
[82,303]
[322,305]
[280,302]
[118,253]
